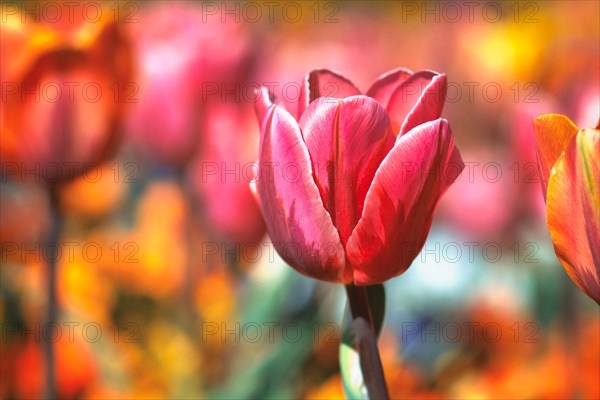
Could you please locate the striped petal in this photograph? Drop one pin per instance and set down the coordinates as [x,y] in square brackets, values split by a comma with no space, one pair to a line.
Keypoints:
[573,210]
[324,83]
[400,203]
[298,224]
[553,133]
[384,87]
[347,139]
[418,99]
[264,100]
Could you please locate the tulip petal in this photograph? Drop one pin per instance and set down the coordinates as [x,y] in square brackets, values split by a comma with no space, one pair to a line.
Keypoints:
[324,83]
[347,140]
[264,100]
[384,87]
[299,226]
[553,133]
[418,99]
[400,203]
[573,210]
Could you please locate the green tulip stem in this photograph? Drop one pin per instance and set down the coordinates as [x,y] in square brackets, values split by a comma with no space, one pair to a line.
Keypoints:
[365,342]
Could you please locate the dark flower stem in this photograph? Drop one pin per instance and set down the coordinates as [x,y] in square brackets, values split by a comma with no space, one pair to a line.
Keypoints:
[365,342]
[52,305]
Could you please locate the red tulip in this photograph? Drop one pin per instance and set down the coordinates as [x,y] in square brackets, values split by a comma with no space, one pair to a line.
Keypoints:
[570,171]
[359,176]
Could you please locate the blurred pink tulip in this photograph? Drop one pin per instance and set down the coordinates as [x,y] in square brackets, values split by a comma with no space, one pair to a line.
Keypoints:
[225,166]
[369,171]
[481,187]
[181,59]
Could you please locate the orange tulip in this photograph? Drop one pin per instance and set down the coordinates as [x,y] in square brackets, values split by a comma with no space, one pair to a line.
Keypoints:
[62,97]
[23,368]
[569,163]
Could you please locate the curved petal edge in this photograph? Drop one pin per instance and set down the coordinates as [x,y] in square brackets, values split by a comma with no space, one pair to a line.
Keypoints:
[298,224]
[400,203]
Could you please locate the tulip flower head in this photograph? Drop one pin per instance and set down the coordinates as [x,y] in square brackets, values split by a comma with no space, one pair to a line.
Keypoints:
[182,57]
[349,189]
[59,114]
[568,160]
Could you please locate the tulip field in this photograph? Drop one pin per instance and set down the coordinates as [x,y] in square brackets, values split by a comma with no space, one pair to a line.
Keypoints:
[300,199]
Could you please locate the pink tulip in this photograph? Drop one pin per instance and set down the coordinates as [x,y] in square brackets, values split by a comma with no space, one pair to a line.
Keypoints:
[180,58]
[348,191]
[476,191]
[221,172]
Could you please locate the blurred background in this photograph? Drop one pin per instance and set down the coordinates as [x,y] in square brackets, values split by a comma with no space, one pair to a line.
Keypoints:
[128,137]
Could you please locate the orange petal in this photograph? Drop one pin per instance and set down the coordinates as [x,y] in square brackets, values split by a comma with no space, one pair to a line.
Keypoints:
[573,210]
[553,132]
